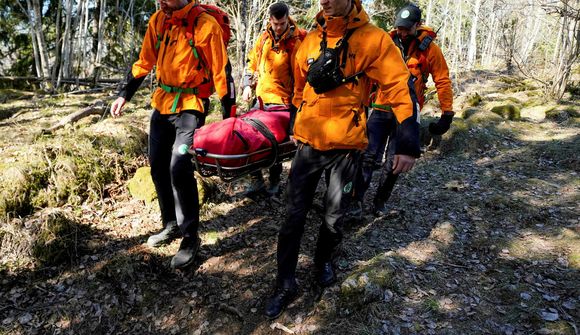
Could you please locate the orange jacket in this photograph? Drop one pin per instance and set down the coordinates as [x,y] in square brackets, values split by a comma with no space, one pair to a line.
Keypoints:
[176,63]
[336,119]
[271,62]
[428,62]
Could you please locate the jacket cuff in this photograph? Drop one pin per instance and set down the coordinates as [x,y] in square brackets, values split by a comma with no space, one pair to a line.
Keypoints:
[408,138]
[131,86]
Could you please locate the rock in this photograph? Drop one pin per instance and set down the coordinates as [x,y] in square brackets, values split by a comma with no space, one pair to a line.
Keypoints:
[25,318]
[569,304]
[468,112]
[550,315]
[141,186]
[535,113]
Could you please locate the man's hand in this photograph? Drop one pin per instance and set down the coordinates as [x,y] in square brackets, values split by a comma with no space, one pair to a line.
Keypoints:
[442,126]
[117,106]
[403,163]
[294,140]
[247,94]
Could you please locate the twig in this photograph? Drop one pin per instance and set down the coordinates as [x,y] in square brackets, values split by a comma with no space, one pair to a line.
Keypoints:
[96,108]
[231,310]
[277,325]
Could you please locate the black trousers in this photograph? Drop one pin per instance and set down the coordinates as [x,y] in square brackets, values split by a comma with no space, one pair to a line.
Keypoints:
[381,127]
[172,168]
[307,167]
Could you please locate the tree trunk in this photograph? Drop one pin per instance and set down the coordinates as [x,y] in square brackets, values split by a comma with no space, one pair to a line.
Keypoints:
[58,46]
[473,36]
[66,43]
[429,9]
[100,40]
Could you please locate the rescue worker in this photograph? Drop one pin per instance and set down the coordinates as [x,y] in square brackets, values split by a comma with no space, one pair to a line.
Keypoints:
[333,70]
[177,111]
[269,70]
[423,58]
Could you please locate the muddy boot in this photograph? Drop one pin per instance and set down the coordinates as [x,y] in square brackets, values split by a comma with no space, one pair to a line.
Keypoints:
[186,253]
[169,233]
[256,185]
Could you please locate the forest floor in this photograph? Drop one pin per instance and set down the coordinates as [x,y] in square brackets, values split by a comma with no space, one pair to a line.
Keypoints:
[483,236]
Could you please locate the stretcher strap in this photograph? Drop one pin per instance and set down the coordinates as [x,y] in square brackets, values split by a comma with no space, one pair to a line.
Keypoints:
[261,127]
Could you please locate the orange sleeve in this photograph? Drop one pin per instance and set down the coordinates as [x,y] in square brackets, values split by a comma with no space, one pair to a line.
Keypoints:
[148,55]
[300,67]
[210,41]
[393,78]
[440,74]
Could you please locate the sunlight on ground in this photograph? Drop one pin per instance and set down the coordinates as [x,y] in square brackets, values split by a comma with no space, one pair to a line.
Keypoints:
[547,135]
[421,252]
[534,246]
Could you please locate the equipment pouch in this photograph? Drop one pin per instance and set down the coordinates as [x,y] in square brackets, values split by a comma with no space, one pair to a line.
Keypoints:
[324,74]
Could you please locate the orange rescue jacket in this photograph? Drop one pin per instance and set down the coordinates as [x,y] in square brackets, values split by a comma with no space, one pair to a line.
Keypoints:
[430,61]
[335,119]
[177,66]
[271,62]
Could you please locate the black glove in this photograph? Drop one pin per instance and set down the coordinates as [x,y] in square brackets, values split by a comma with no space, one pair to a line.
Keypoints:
[407,138]
[442,126]
[227,105]
[292,111]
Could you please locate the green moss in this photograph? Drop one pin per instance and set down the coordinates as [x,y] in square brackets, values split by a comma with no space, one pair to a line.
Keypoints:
[69,167]
[470,111]
[560,327]
[507,111]
[474,100]
[478,134]
[141,185]
[574,260]
[367,283]
[431,305]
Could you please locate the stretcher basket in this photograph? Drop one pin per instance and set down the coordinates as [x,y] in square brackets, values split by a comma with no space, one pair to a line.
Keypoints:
[217,165]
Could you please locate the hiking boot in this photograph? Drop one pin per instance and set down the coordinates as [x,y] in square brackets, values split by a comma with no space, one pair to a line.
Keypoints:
[186,253]
[281,298]
[355,211]
[169,233]
[325,275]
[257,185]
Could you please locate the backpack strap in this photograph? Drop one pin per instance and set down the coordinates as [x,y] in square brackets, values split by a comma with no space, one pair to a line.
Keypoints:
[344,45]
[263,129]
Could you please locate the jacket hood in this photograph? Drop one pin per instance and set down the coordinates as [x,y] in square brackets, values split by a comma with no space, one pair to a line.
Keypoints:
[292,28]
[337,25]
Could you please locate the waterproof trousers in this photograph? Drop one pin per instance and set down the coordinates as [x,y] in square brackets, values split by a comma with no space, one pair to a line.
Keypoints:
[381,128]
[307,168]
[172,168]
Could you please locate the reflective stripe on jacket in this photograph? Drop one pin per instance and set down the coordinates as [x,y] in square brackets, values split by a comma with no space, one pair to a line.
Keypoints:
[176,63]
[336,119]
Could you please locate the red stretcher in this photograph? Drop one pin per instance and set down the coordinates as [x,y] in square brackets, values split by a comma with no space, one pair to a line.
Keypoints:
[236,147]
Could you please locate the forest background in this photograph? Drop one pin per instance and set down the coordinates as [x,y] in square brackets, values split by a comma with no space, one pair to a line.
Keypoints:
[482,236]
[65,43]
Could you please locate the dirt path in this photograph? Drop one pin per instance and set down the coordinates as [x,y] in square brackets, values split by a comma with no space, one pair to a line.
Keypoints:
[480,240]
